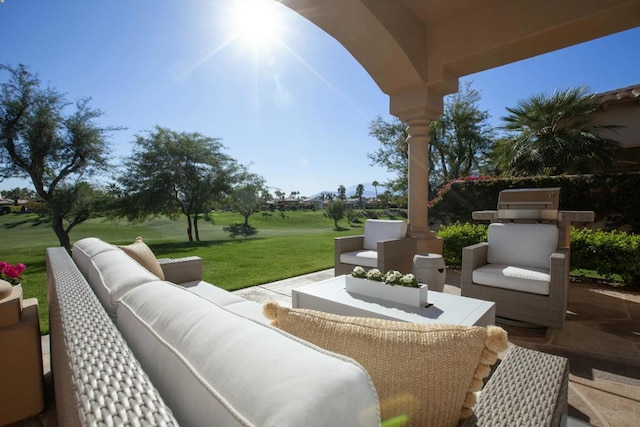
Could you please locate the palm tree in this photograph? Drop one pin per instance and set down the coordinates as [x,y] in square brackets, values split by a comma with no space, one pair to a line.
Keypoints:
[359,193]
[375,186]
[555,134]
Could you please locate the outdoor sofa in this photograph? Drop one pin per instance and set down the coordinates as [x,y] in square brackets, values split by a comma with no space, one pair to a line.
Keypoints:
[128,347]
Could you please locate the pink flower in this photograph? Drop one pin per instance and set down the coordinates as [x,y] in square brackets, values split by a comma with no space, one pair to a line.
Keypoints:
[11,273]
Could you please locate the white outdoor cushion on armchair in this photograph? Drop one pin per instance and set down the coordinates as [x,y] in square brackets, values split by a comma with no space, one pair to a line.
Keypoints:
[397,249]
[518,257]
[376,230]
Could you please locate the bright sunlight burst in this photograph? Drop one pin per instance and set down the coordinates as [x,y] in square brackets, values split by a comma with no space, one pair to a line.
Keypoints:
[256,23]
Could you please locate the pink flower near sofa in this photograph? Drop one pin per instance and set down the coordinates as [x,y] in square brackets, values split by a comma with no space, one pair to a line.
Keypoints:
[11,273]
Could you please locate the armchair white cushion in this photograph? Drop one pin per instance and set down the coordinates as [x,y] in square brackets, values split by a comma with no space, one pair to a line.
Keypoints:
[518,257]
[384,245]
[526,245]
[376,230]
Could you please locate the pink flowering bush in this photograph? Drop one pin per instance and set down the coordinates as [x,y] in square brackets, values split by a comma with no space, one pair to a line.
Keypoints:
[11,273]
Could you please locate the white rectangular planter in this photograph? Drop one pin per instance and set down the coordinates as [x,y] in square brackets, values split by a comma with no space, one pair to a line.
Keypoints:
[416,297]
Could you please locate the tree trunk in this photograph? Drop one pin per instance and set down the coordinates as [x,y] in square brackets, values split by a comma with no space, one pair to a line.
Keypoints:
[195,227]
[61,233]
[246,220]
[189,228]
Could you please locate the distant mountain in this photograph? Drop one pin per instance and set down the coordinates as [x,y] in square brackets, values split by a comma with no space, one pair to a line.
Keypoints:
[369,191]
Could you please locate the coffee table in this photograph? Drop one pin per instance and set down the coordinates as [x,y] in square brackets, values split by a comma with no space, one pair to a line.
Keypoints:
[331,296]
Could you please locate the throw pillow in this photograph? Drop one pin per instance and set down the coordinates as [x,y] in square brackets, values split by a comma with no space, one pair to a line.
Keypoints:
[139,251]
[425,374]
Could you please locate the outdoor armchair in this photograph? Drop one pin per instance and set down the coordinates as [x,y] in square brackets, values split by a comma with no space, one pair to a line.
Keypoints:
[384,246]
[521,269]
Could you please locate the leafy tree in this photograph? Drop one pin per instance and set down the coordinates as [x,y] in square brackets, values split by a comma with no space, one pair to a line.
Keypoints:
[245,198]
[342,193]
[393,153]
[461,138]
[555,134]
[460,142]
[52,142]
[172,173]
[336,210]
[359,193]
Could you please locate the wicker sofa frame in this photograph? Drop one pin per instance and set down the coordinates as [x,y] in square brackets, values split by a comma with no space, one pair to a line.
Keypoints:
[98,381]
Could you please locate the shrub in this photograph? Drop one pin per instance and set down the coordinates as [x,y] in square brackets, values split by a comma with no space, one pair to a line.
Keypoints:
[457,236]
[606,252]
[614,197]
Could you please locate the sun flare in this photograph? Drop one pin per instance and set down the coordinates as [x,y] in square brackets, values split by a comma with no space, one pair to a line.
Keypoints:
[256,23]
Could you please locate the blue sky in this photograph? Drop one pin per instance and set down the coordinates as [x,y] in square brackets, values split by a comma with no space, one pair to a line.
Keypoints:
[291,103]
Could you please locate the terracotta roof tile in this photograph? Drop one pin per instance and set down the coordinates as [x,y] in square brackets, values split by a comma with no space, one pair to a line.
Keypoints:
[627,94]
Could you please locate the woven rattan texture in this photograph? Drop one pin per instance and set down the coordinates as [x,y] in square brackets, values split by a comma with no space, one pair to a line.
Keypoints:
[538,382]
[182,270]
[96,377]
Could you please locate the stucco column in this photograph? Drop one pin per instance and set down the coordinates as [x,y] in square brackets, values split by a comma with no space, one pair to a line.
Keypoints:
[418,144]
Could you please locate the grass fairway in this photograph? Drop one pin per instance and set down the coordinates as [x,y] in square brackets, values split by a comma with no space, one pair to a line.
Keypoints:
[299,243]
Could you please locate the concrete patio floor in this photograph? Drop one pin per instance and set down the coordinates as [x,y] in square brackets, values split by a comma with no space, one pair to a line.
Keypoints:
[601,339]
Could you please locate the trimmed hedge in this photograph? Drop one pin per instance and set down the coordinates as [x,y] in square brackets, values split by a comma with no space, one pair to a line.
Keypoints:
[457,236]
[614,197]
[607,253]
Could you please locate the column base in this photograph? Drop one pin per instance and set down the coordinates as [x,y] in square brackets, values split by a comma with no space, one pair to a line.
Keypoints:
[427,241]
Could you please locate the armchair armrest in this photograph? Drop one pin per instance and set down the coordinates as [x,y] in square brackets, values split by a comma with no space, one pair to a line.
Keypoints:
[473,256]
[348,244]
[182,270]
[397,254]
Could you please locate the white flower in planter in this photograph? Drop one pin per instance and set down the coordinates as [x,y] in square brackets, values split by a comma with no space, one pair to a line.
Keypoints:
[359,272]
[374,274]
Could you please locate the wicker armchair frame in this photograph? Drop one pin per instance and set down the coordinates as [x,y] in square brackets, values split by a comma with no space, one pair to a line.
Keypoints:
[395,254]
[544,310]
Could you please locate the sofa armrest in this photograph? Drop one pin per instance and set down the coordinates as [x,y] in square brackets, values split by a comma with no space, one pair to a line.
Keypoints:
[182,270]
[97,379]
[528,387]
[473,256]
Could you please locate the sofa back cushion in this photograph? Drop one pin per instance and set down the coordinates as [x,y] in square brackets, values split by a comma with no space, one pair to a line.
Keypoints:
[214,367]
[522,245]
[112,274]
[376,230]
[85,249]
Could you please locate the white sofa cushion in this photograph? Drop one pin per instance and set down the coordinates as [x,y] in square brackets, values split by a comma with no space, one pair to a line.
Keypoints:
[532,280]
[365,258]
[376,230]
[112,274]
[84,249]
[522,245]
[226,299]
[214,367]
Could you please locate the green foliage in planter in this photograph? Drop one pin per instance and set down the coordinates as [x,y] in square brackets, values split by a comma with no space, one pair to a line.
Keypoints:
[457,236]
[607,253]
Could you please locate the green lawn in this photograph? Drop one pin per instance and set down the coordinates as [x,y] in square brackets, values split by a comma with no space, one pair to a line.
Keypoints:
[300,243]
